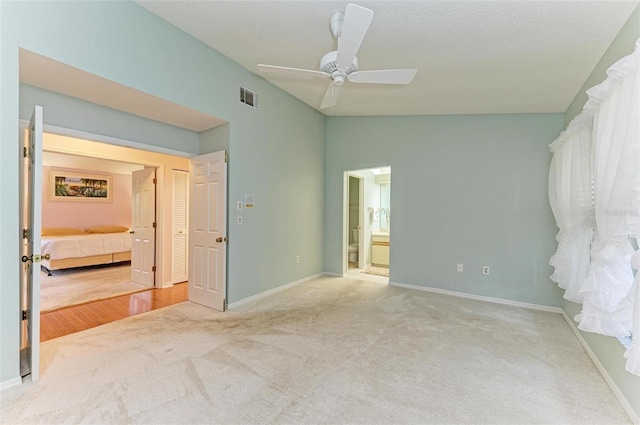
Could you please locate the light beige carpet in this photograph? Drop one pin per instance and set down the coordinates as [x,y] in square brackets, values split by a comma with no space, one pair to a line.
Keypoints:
[377,271]
[76,286]
[328,351]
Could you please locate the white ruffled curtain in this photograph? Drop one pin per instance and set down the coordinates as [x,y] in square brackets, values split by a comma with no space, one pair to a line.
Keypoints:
[609,291]
[608,300]
[570,199]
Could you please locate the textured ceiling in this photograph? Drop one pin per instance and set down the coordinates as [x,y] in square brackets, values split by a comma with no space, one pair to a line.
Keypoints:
[472,56]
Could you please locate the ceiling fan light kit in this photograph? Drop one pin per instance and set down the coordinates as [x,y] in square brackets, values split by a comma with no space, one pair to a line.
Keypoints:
[349,28]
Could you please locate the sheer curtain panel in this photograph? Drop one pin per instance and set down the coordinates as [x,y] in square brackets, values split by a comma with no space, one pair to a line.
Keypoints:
[607,291]
[570,199]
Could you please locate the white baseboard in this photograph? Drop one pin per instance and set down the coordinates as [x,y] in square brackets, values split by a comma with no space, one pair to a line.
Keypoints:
[272,291]
[607,378]
[333,274]
[10,383]
[480,297]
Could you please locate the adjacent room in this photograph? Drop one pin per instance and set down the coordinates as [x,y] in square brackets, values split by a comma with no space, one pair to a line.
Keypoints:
[96,223]
[501,137]
[368,214]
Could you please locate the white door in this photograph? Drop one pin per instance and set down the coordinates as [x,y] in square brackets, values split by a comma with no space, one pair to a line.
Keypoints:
[180,226]
[207,229]
[31,222]
[143,226]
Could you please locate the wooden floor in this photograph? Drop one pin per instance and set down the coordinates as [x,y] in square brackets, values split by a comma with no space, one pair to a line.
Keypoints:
[73,319]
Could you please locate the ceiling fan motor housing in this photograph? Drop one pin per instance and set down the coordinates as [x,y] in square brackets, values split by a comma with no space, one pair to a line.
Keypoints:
[328,64]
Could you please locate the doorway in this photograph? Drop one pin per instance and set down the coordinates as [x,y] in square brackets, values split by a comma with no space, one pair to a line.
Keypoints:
[88,147]
[100,265]
[39,68]
[367,224]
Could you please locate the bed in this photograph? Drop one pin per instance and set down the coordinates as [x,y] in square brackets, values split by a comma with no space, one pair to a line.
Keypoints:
[68,248]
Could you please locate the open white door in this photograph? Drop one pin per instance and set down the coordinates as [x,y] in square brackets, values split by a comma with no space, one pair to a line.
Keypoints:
[143,226]
[31,222]
[207,228]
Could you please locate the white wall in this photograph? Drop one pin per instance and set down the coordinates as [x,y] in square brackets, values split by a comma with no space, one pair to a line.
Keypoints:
[85,213]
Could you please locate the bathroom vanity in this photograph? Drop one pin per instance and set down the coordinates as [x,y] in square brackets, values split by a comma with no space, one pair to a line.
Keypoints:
[380,249]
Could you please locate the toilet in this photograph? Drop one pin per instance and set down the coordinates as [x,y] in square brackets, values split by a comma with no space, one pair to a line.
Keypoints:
[353,247]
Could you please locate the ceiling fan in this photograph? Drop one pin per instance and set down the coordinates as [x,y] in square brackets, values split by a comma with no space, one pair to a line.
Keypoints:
[349,28]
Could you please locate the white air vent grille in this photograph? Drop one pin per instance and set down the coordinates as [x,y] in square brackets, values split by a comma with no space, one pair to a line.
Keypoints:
[248,98]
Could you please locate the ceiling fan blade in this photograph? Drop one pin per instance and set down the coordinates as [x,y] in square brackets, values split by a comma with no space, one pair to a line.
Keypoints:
[354,27]
[383,76]
[330,96]
[293,72]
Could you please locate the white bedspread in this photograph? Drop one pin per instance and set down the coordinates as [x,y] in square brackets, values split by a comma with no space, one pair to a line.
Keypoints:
[61,247]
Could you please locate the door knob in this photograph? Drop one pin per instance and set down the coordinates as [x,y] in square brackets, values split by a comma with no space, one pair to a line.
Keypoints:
[131,232]
[218,239]
[221,239]
[38,257]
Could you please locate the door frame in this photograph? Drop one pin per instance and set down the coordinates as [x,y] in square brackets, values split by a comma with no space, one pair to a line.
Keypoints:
[362,263]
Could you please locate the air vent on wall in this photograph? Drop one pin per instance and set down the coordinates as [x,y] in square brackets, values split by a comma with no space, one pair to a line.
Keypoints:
[248,98]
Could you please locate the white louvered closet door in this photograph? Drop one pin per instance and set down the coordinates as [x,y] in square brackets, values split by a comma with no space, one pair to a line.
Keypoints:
[180,231]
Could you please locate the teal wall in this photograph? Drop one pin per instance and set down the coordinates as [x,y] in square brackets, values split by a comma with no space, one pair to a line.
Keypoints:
[468,189]
[215,139]
[609,350]
[72,113]
[277,150]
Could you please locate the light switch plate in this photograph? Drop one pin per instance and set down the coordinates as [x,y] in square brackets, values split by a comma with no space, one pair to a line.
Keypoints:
[239,205]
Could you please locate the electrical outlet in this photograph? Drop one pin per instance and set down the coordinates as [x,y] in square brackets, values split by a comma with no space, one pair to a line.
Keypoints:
[485,270]
[239,220]
[297,259]
[460,268]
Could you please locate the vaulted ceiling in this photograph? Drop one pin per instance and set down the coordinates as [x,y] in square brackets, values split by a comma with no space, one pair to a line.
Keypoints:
[472,57]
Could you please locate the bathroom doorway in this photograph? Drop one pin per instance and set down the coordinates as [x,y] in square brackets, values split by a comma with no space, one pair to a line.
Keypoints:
[367,218]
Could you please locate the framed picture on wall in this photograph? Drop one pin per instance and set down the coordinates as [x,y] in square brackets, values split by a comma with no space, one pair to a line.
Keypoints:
[67,186]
